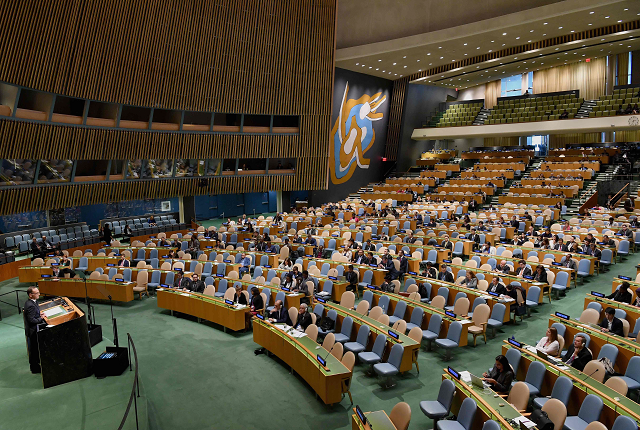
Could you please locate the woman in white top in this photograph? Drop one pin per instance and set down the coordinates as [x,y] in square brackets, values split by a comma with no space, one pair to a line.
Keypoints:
[286,264]
[549,344]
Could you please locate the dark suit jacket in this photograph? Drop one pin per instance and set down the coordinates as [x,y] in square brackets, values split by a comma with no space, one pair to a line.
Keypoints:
[369,247]
[35,247]
[197,287]
[525,272]
[304,321]
[281,316]
[581,360]
[616,326]
[431,273]
[446,276]
[543,277]
[351,277]
[498,289]
[32,313]
[447,244]
[619,296]
[404,265]
[124,263]
[256,302]
[505,269]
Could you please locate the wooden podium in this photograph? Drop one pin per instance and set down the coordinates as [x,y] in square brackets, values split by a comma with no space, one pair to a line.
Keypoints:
[65,350]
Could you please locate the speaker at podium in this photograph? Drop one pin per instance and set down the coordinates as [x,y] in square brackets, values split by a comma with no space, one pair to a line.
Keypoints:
[63,343]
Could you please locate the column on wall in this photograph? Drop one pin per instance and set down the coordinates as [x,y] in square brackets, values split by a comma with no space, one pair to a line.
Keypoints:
[492,91]
[623,68]
[560,140]
[610,74]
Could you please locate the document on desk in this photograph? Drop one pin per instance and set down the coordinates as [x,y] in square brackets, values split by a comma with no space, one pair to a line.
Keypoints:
[465,375]
[531,349]
[526,421]
[239,306]
[185,294]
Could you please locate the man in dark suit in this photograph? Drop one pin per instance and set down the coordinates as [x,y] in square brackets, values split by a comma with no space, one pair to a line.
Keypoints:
[475,237]
[197,286]
[606,241]
[503,267]
[611,324]
[444,274]
[369,246]
[387,263]
[430,271]
[279,314]
[33,318]
[594,251]
[352,278]
[181,282]
[446,243]
[404,263]
[578,354]
[570,263]
[560,246]
[514,222]
[36,249]
[410,238]
[523,270]
[304,318]
[123,262]
[497,287]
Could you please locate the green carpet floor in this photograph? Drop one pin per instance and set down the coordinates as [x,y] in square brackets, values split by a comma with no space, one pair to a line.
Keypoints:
[195,376]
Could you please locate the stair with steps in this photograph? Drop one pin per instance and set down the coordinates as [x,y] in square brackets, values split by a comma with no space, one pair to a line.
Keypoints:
[586,108]
[482,116]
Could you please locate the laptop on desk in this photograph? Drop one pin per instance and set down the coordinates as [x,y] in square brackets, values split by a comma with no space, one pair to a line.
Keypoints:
[478,382]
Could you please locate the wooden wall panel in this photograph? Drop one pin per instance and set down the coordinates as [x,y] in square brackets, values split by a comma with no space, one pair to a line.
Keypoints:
[395,118]
[229,56]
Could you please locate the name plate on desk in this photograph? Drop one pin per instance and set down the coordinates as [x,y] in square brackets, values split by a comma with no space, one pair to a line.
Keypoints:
[229,302]
[220,275]
[118,279]
[412,273]
[55,264]
[555,263]
[453,373]
[45,276]
[597,294]
[333,278]
[286,288]
[267,266]
[321,360]
[527,277]
[394,335]
[165,286]
[110,264]
[563,316]
[321,300]
[227,261]
[209,247]
[626,278]
[450,314]
[515,343]
[446,261]
[260,316]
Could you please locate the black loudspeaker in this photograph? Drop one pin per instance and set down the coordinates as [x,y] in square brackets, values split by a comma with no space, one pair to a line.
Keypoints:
[112,362]
[95,334]
[203,182]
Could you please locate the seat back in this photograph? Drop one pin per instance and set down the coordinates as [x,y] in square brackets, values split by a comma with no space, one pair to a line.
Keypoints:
[363,335]
[454,332]
[438,302]
[557,412]
[591,408]
[401,415]
[519,396]
[395,356]
[609,351]
[400,309]
[467,412]
[535,374]
[384,303]
[348,300]
[347,325]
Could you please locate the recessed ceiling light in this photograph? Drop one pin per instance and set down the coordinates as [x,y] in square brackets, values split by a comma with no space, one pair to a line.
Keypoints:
[591,13]
[504,34]
[503,44]
[590,24]
[395,74]
[394,64]
[384,71]
[379,60]
[369,66]
[441,58]
[439,47]
[419,70]
[363,65]
[606,17]
[619,20]
[528,41]
[377,70]
[494,40]
[573,31]
[465,44]
[560,28]
[466,54]
[418,61]
[490,50]
[357,64]
[530,31]
[404,56]
[626,9]
[544,34]
[430,63]
[429,53]
[517,37]
[545,23]
[405,67]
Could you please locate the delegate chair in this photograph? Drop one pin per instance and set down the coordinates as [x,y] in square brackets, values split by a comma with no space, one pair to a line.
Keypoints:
[375,355]
[392,366]
[433,330]
[345,331]
[535,375]
[440,408]
[361,340]
[497,317]
[416,318]
[632,375]
[400,416]
[557,412]
[452,340]
[589,412]
[561,391]
[465,417]
[398,313]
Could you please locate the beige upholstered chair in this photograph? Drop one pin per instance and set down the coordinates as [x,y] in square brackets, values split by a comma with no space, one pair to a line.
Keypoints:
[557,412]
[329,341]
[375,312]
[362,308]
[348,360]
[519,396]
[141,284]
[480,318]
[400,415]
[312,332]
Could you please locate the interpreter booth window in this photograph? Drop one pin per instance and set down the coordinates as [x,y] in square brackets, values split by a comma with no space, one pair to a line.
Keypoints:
[252,166]
[229,166]
[213,167]
[117,170]
[188,168]
[91,170]
[17,171]
[54,171]
[158,168]
[134,169]
[282,166]
[516,85]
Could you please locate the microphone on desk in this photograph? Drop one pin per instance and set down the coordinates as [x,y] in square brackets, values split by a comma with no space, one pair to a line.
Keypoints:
[591,374]
[325,357]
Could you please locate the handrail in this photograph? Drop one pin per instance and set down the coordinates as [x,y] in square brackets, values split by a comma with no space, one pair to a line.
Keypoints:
[590,202]
[17,305]
[615,199]
[135,390]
